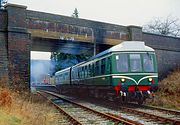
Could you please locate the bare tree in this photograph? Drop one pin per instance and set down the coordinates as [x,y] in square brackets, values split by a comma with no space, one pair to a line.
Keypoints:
[169,26]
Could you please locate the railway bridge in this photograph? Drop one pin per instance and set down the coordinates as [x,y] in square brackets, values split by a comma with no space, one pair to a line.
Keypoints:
[23,30]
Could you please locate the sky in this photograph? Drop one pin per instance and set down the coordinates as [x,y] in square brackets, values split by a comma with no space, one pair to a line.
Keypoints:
[35,55]
[121,12]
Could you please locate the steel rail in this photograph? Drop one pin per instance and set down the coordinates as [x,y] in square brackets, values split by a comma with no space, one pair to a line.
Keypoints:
[162,109]
[71,118]
[152,116]
[156,108]
[107,116]
[118,116]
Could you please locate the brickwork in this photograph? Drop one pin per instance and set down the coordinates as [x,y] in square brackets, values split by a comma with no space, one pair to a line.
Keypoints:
[167,50]
[18,47]
[135,33]
[3,56]
[60,26]
[167,62]
[3,46]
[3,20]
[19,59]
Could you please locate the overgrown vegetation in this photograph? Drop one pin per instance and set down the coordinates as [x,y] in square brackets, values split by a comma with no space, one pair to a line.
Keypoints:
[26,109]
[168,94]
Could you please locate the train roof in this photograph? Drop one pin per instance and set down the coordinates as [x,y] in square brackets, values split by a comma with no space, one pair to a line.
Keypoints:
[63,70]
[125,47]
[79,64]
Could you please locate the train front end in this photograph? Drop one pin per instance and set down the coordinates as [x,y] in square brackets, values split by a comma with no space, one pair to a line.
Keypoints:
[134,70]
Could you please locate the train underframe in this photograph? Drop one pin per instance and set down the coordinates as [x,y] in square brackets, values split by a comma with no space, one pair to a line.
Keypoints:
[105,92]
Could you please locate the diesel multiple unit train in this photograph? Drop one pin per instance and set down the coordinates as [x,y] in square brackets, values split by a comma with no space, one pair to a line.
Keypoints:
[126,72]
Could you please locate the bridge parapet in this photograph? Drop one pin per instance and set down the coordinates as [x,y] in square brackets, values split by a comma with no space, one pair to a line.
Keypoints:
[62,27]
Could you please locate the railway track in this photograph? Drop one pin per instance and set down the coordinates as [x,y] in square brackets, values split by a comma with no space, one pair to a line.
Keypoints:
[69,117]
[81,115]
[125,115]
[154,108]
[145,115]
[133,114]
[167,113]
[156,115]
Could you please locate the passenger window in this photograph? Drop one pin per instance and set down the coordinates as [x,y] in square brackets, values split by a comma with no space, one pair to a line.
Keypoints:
[97,68]
[66,76]
[78,73]
[135,62]
[89,70]
[122,62]
[103,66]
[85,72]
[148,64]
[108,65]
[92,70]
[82,72]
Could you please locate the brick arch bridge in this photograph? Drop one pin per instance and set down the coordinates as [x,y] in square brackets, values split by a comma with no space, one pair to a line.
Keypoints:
[22,31]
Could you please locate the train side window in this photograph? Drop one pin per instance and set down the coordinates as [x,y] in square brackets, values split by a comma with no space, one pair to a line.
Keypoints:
[57,79]
[72,74]
[79,73]
[135,62]
[97,68]
[73,77]
[82,75]
[60,78]
[66,76]
[148,64]
[108,66]
[85,72]
[103,66]
[122,62]
[89,70]
[76,73]
[63,77]
[92,71]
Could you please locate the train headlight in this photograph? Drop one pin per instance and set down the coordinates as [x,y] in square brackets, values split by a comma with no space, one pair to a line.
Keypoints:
[122,80]
[150,79]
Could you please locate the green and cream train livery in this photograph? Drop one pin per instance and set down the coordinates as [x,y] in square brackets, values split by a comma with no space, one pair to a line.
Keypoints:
[134,70]
[127,70]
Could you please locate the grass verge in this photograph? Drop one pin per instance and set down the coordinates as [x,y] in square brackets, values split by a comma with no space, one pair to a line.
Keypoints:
[26,109]
[168,94]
